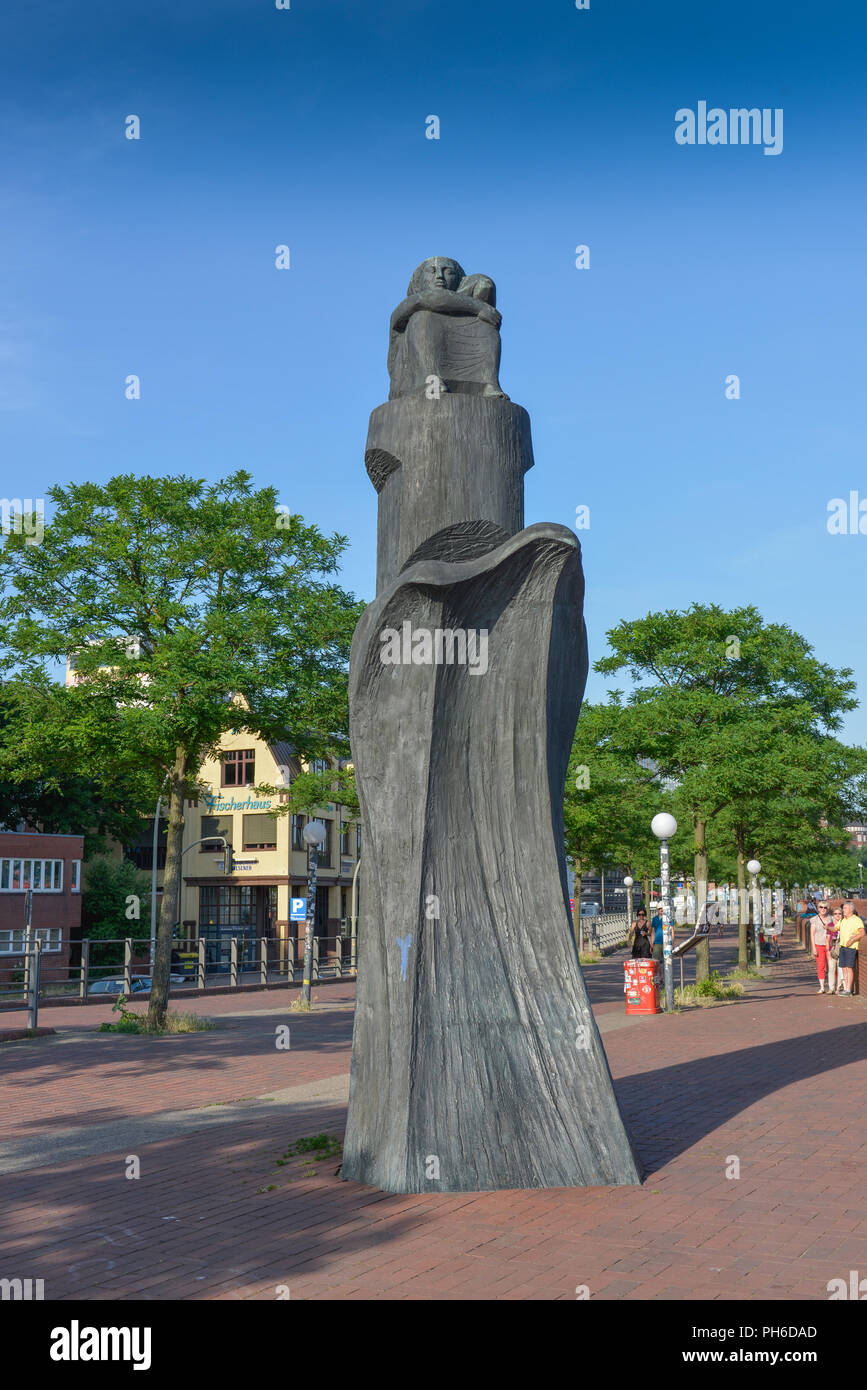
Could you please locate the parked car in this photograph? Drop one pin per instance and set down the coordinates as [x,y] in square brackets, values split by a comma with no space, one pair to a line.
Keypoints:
[146,981]
[141,984]
[117,986]
[590,909]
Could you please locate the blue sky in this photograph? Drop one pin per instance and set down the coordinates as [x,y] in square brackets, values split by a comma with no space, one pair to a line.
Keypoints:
[307,127]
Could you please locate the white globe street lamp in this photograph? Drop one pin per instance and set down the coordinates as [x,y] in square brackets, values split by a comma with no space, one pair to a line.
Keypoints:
[314,834]
[753,869]
[627,884]
[664,826]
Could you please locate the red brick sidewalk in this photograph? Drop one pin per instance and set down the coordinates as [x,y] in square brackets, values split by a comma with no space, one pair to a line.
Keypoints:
[776,1081]
[102,1077]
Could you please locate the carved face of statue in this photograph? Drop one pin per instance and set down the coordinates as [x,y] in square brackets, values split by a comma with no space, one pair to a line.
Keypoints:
[436,273]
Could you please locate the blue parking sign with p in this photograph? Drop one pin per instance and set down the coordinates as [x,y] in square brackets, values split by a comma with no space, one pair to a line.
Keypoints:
[297,909]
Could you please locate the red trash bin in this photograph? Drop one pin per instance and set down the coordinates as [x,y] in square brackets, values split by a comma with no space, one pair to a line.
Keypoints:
[641,986]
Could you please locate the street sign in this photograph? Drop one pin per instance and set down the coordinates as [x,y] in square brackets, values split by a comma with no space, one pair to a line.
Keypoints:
[297,909]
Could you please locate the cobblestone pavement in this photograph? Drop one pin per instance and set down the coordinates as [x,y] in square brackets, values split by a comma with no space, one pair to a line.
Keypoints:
[775,1081]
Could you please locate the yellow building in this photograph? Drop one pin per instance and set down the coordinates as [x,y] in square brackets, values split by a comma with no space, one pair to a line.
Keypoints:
[269,858]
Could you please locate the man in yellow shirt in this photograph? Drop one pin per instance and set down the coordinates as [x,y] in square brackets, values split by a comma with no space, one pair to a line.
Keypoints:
[851,933]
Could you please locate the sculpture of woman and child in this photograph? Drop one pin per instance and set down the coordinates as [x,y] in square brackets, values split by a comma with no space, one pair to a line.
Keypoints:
[445,336]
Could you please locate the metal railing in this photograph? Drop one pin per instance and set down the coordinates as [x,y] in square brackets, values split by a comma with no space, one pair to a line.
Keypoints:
[604,932]
[224,961]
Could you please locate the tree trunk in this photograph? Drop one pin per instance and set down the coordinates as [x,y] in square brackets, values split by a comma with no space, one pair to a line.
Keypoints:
[702,950]
[170,907]
[743,906]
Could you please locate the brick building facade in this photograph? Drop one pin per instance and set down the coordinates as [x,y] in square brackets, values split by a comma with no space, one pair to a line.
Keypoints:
[51,866]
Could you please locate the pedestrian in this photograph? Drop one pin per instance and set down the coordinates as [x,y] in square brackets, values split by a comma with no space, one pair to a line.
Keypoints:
[640,937]
[819,943]
[851,932]
[835,981]
[656,937]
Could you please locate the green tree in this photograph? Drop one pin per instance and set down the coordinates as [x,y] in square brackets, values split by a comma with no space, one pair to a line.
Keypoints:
[115,896]
[61,800]
[182,602]
[609,802]
[704,677]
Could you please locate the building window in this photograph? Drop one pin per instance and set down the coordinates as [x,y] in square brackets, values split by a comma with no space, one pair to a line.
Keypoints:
[217,826]
[358,840]
[298,832]
[42,875]
[12,942]
[319,765]
[75,876]
[225,905]
[344,838]
[260,832]
[343,912]
[325,852]
[239,768]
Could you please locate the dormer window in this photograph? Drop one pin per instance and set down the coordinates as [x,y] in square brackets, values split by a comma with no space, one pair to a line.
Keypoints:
[239,768]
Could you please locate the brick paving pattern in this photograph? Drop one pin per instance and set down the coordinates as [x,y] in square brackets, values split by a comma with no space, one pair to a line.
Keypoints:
[776,1080]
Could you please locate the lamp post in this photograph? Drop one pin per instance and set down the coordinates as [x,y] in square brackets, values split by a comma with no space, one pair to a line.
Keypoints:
[314,835]
[627,884]
[753,869]
[664,827]
[353,960]
[156,841]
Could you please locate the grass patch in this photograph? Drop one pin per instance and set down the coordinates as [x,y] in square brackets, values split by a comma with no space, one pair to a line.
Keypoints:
[186,1023]
[751,973]
[589,957]
[714,990]
[300,1007]
[305,1153]
[130,1022]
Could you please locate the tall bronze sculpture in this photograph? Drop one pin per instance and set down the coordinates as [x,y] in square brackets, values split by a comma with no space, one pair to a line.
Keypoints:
[476,1061]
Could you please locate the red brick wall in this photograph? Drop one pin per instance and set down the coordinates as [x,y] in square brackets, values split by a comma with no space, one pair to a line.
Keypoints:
[61,910]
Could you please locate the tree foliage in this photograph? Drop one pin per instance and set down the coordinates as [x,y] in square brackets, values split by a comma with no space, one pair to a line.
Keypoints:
[179,601]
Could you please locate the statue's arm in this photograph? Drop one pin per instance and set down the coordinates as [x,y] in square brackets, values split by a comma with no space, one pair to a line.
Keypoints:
[443,302]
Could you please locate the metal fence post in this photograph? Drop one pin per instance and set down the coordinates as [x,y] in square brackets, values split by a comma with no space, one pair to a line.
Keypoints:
[127,966]
[315,971]
[263,960]
[34,958]
[85,969]
[200,973]
[233,963]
